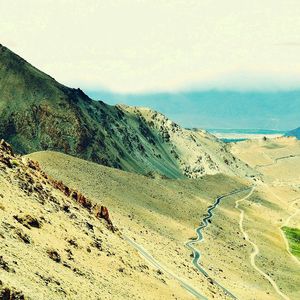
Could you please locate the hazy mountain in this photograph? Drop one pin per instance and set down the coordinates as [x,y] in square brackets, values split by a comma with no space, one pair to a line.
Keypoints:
[277,110]
[295,132]
[38,113]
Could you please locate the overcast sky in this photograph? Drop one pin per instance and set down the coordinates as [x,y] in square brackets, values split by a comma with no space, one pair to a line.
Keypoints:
[140,46]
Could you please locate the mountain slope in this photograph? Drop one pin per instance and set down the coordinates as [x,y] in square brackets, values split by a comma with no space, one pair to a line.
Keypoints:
[161,215]
[52,247]
[38,113]
[295,133]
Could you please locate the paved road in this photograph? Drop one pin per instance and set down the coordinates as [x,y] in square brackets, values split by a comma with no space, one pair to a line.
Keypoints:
[148,257]
[196,253]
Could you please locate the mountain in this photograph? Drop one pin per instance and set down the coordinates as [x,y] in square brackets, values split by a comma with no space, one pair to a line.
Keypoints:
[38,113]
[54,246]
[295,132]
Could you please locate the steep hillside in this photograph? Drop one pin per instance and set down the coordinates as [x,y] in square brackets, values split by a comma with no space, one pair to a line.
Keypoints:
[295,133]
[38,113]
[54,246]
[195,152]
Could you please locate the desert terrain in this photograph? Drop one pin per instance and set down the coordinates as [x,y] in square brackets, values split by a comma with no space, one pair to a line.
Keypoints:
[244,250]
[53,247]
[120,202]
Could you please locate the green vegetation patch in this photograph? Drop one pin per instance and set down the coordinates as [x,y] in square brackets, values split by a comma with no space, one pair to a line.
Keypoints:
[293,236]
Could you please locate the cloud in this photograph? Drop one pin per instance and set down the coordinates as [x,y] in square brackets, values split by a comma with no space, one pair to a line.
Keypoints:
[288,44]
[138,46]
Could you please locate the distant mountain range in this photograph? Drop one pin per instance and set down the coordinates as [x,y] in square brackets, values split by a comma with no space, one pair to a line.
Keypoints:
[246,131]
[38,113]
[295,132]
[278,110]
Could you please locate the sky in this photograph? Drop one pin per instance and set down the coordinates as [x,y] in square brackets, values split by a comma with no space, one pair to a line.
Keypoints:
[150,50]
[130,46]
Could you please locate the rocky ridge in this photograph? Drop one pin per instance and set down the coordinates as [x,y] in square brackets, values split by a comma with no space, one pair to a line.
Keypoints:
[31,179]
[195,152]
[38,113]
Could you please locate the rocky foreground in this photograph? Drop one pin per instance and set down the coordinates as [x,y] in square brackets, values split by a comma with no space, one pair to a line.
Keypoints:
[55,243]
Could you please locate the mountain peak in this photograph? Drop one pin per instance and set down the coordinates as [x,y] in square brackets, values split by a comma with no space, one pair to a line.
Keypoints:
[38,113]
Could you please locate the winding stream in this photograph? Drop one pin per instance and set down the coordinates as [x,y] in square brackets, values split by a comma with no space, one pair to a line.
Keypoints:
[205,222]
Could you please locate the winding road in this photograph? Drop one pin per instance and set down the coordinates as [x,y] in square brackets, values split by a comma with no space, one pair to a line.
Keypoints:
[255,251]
[275,160]
[190,245]
[148,257]
[196,253]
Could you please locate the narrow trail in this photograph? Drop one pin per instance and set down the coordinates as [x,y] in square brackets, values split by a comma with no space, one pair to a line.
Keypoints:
[287,247]
[295,259]
[196,253]
[255,251]
[287,221]
[275,160]
[148,257]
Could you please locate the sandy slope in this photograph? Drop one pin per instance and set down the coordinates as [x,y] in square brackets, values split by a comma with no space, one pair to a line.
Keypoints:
[255,251]
[279,162]
[160,215]
[53,248]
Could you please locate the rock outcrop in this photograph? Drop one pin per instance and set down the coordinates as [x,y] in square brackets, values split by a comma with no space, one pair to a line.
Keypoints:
[32,179]
[56,243]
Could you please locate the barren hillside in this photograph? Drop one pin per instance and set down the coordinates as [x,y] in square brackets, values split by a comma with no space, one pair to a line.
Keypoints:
[38,113]
[161,215]
[55,246]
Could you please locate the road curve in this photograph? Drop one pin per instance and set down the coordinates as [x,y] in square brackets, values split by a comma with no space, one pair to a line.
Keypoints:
[196,253]
[148,257]
[255,251]
[275,160]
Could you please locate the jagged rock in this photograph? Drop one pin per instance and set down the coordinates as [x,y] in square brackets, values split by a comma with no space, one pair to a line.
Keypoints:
[104,214]
[34,180]
[10,294]
[54,255]
[4,265]
[23,236]
[28,221]
[33,165]
[5,147]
